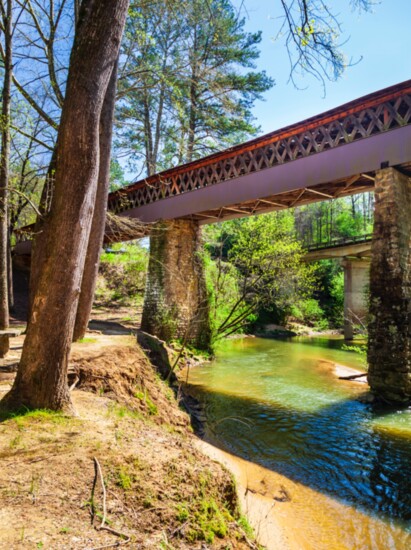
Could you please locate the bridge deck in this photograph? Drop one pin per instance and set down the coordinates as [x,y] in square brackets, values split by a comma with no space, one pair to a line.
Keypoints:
[357,247]
[331,155]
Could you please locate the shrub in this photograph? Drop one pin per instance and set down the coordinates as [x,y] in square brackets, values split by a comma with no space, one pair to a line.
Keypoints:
[122,275]
[310,313]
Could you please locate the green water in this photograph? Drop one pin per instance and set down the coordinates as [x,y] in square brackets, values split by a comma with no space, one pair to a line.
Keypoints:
[279,404]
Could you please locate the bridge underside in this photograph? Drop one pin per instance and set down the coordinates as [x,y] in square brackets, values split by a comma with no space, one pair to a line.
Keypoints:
[360,183]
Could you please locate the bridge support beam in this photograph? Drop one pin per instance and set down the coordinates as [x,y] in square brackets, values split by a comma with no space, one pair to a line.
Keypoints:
[176,299]
[389,347]
[356,280]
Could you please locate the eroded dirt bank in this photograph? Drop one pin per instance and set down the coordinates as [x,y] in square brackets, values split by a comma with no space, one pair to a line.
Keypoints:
[161,491]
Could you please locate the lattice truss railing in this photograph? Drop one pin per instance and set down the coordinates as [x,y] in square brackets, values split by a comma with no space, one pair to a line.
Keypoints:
[367,121]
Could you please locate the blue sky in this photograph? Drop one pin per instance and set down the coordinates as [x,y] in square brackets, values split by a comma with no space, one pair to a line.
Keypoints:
[382,38]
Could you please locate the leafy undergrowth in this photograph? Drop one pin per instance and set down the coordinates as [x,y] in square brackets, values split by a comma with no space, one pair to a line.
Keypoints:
[122,275]
[160,491]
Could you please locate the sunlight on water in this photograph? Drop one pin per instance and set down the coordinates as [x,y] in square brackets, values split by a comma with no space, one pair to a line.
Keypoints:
[279,404]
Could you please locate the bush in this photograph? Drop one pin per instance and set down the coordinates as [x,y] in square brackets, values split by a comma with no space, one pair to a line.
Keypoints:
[330,293]
[310,313]
[122,275]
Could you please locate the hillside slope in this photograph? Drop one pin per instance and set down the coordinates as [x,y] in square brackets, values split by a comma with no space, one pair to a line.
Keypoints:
[160,492]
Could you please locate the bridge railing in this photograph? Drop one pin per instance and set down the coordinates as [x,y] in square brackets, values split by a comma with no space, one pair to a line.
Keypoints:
[337,242]
[374,114]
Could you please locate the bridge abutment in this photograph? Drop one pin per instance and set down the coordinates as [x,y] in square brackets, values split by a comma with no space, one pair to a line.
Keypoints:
[356,280]
[176,299]
[389,348]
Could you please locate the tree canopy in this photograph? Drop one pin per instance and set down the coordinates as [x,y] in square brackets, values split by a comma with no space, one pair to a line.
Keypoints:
[187,83]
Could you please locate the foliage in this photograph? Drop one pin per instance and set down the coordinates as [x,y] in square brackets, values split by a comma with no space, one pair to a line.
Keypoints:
[122,274]
[309,312]
[117,177]
[262,271]
[330,290]
[336,219]
[188,85]
[313,38]
[361,350]
[323,223]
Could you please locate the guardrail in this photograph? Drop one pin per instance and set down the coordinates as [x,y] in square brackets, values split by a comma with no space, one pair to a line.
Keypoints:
[338,242]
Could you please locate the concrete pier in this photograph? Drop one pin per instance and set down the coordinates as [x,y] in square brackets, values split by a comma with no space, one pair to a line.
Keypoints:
[356,284]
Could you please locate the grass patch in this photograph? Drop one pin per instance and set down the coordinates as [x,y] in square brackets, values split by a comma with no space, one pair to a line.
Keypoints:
[143,397]
[124,479]
[87,340]
[121,411]
[208,520]
[246,527]
[25,415]
[205,514]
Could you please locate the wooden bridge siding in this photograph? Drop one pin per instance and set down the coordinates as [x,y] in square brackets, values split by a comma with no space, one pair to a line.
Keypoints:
[378,113]
[340,163]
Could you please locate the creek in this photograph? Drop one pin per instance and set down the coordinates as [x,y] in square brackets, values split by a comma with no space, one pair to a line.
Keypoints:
[342,466]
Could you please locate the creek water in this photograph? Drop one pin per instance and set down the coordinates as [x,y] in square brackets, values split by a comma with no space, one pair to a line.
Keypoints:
[280,405]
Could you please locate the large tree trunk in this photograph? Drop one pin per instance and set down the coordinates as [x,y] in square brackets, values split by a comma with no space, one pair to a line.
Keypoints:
[41,380]
[4,175]
[95,243]
[39,249]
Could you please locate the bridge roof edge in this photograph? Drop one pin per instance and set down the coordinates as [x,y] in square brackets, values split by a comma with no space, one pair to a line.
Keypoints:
[325,117]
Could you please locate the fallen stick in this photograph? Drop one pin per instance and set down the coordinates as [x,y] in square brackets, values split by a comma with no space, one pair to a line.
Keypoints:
[74,384]
[102,525]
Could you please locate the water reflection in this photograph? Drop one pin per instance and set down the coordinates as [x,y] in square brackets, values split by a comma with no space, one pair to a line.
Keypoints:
[274,404]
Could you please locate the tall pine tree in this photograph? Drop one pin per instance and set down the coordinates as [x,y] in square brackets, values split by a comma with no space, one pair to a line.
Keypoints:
[188,84]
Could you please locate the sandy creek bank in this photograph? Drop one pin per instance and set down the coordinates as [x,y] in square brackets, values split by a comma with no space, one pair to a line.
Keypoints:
[275,505]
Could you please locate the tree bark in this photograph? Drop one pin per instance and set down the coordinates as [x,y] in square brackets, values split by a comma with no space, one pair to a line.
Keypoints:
[39,249]
[88,284]
[41,380]
[10,286]
[7,14]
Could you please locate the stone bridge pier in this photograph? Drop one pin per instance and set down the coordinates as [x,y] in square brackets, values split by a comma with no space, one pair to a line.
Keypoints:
[176,299]
[389,347]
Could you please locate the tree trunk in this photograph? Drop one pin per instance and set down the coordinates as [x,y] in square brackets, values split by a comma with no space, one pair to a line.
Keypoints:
[4,165]
[95,243]
[148,136]
[193,103]
[39,250]
[10,287]
[159,118]
[41,380]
